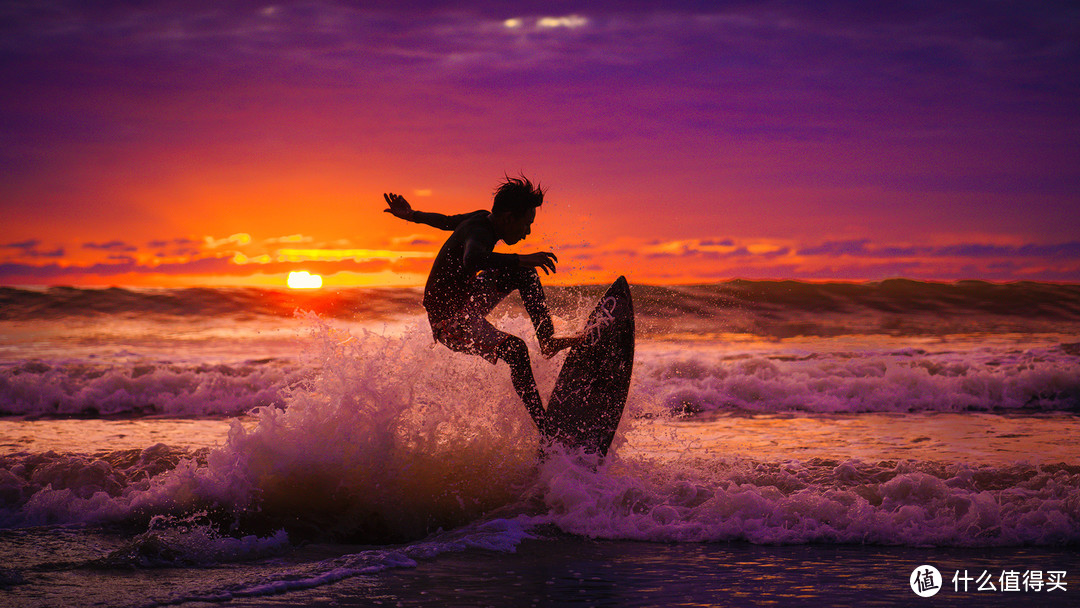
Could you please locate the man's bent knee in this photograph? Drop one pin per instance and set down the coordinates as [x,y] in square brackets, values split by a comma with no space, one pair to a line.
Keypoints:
[513,350]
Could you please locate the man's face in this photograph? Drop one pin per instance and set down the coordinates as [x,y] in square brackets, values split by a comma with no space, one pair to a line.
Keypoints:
[519,226]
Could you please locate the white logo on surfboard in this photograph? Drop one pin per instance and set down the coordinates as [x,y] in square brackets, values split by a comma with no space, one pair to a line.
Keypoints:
[605,315]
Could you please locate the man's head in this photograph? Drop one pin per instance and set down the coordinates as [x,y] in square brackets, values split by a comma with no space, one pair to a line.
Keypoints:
[514,208]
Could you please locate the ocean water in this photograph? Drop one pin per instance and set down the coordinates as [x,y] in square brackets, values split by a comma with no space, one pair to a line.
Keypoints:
[784,443]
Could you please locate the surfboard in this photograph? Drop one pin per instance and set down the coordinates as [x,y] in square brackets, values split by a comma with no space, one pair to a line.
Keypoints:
[587,403]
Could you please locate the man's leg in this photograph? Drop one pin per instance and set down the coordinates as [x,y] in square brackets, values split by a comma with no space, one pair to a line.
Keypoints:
[497,284]
[476,336]
[516,354]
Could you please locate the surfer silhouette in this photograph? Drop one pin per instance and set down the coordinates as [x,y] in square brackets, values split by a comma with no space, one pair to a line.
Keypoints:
[468,279]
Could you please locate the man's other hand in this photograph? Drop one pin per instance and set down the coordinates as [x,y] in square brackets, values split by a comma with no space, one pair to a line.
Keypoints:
[541,259]
[398,206]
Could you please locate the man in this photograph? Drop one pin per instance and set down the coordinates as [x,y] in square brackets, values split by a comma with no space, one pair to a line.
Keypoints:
[468,279]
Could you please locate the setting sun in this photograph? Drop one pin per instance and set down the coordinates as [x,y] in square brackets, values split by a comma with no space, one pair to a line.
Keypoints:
[304,280]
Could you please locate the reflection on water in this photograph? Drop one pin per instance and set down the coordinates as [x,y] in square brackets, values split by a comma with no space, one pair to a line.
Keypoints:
[91,436]
[567,571]
[990,439]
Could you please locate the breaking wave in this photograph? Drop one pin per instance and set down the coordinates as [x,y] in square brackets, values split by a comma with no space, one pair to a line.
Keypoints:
[386,442]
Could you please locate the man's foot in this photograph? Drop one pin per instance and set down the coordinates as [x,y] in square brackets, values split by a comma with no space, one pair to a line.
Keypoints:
[553,345]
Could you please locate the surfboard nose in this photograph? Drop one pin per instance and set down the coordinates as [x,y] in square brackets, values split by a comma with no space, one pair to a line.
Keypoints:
[590,393]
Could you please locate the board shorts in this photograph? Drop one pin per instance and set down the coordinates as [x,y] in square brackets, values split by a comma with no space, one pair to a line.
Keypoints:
[471,334]
[468,331]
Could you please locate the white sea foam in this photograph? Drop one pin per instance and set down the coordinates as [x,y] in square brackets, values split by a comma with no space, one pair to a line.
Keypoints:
[192,540]
[386,441]
[502,535]
[691,382]
[87,388]
[895,503]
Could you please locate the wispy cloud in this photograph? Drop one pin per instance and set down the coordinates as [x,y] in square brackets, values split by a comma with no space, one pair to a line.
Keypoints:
[30,249]
[864,248]
[801,121]
[652,260]
[238,255]
[337,255]
[111,246]
[718,258]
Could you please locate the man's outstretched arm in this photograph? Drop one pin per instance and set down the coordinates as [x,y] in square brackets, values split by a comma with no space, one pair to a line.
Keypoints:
[400,208]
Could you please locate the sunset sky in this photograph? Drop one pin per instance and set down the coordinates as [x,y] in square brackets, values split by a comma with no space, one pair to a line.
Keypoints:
[228,143]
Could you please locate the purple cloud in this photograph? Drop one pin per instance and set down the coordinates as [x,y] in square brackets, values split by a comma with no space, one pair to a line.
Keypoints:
[157,243]
[838,248]
[863,248]
[24,245]
[29,249]
[110,246]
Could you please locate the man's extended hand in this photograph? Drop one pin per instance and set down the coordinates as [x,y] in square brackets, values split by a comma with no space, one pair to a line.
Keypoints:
[541,259]
[398,206]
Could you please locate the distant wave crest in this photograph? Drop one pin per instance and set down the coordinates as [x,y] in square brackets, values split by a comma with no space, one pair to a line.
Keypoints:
[775,309]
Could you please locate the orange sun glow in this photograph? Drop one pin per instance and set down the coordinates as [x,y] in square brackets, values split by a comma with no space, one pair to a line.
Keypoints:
[304,280]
